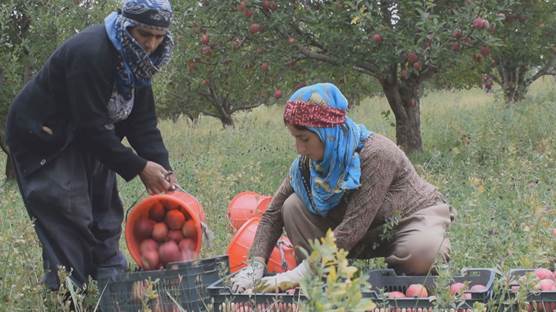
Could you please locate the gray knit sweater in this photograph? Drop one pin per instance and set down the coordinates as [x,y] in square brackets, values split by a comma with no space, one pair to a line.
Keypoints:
[390,186]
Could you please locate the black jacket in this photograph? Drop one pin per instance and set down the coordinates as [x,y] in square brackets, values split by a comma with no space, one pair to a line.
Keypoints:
[70,96]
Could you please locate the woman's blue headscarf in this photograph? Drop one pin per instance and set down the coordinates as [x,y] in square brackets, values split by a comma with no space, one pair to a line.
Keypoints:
[137,66]
[340,168]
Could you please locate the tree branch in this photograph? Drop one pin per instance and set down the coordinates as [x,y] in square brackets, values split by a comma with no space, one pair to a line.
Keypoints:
[548,69]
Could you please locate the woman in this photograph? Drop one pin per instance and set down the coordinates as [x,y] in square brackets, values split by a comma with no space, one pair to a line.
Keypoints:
[65,128]
[354,181]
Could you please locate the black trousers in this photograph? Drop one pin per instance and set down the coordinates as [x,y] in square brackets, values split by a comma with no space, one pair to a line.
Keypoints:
[73,200]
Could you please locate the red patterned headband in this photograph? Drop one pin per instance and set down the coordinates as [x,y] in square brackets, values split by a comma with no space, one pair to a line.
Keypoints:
[301,113]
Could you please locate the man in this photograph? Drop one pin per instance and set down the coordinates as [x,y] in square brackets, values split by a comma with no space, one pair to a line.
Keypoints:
[65,128]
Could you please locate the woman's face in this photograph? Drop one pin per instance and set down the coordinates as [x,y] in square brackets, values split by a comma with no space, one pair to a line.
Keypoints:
[307,143]
[149,39]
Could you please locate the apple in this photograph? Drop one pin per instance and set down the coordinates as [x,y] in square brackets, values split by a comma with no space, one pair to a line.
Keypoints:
[478,288]
[255,28]
[291,40]
[160,232]
[206,50]
[205,82]
[267,5]
[151,259]
[547,284]
[480,23]
[412,57]
[157,212]
[542,273]
[205,39]
[457,34]
[144,228]
[187,248]
[417,66]
[396,294]
[189,229]
[169,252]
[416,290]
[485,51]
[175,235]
[264,67]
[457,288]
[242,6]
[248,13]
[174,219]
[456,47]
[277,93]
[148,244]
[554,235]
[377,38]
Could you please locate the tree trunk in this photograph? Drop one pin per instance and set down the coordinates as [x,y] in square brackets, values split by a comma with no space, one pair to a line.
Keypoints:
[404,102]
[226,120]
[513,82]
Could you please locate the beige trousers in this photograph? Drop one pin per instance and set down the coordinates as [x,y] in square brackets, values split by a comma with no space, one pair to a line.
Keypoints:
[411,246]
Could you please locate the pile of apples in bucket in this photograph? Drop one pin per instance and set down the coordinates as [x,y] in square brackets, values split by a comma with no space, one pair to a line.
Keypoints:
[166,234]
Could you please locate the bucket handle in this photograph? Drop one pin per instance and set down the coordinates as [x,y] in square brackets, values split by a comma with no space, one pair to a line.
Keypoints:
[143,194]
[281,245]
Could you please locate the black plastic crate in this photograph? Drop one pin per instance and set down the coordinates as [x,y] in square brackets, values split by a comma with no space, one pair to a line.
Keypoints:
[225,300]
[387,280]
[536,300]
[178,285]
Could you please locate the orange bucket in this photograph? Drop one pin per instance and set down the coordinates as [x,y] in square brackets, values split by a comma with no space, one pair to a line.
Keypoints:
[281,259]
[183,201]
[246,205]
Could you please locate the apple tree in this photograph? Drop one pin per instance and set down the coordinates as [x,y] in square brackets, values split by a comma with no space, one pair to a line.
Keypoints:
[399,44]
[221,66]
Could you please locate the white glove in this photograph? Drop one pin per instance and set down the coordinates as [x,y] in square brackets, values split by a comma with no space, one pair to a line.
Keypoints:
[247,277]
[284,281]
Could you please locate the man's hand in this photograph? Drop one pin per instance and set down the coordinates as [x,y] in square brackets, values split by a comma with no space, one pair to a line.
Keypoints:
[156,179]
[248,276]
[284,281]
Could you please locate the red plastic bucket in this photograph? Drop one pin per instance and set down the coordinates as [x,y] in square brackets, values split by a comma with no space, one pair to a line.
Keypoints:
[182,201]
[281,259]
[246,205]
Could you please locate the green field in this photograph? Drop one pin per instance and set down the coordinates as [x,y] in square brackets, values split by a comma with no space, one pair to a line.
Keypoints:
[497,166]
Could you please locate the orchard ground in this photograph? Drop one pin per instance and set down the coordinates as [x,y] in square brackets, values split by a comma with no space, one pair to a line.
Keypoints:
[495,164]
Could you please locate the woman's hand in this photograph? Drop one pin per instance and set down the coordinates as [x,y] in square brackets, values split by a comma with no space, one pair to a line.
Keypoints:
[156,178]
[249,276]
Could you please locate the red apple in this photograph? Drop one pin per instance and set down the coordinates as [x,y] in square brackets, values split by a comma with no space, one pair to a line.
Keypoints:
[205,39]
[457,34]
[554,235]
[157,212]
[396,294]
[377,38]
[148,244]
[189,229]
[277,93]
[457,288]
[169,252]
[174,219]
[416,290]
[248,13]
[291,40]
[175,235]
[151,259]
[456,47]
[267,5]
[187,249]
[412,57]
[242,6]
[160,232]
[546,285]
[417,66]
[255,28]
[485,51]
[480,23]
[264,67]
[542,273]
[206,50]
[478,288]
[205,82]
[144,228]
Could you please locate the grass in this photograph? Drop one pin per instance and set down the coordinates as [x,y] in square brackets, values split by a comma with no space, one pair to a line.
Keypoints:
[496,165]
